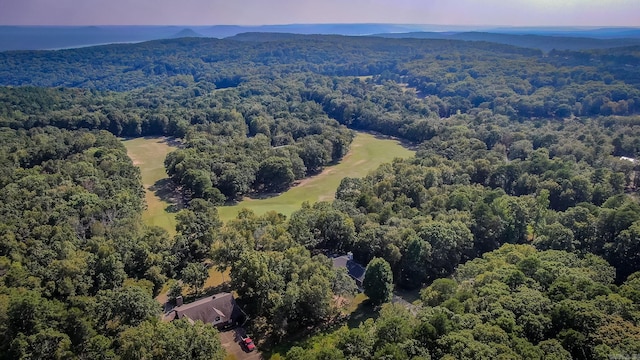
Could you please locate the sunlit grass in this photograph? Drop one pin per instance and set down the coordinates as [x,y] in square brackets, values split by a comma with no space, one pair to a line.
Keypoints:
[216,278]
[366,154]
[149,154]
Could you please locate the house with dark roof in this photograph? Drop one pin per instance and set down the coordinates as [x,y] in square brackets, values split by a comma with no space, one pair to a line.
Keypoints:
[219,310]
[355,270]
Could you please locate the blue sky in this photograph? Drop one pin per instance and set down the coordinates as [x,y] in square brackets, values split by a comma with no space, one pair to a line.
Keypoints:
[258,12]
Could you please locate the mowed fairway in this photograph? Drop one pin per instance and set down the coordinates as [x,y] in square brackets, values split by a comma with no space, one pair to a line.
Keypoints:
[366,154]
[149,154]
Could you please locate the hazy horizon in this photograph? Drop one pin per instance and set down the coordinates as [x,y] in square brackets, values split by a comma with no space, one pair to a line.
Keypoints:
[494,26]
[473,13]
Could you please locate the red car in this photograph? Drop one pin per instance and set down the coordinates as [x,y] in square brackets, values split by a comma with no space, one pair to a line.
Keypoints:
[248,344]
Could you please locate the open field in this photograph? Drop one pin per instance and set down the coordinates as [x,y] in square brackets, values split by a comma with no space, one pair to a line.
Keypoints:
[367,152]
[149,154]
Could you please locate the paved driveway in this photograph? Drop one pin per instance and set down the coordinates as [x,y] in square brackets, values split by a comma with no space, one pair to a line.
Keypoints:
[231,342]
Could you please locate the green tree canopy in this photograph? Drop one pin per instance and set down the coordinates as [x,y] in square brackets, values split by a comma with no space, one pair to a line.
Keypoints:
[378,281]
[154,339]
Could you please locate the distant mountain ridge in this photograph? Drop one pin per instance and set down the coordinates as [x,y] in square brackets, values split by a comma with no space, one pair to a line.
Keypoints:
[595,33]
[542,42]
[60,37]
[186,33]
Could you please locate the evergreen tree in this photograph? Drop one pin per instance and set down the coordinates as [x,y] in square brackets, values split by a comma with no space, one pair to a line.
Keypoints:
[378,281]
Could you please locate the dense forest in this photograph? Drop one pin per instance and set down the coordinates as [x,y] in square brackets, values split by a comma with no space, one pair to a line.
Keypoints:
[513,303]
[518,218]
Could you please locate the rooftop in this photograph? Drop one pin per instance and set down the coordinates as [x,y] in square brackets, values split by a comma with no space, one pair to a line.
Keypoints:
[354,269]
[216,309]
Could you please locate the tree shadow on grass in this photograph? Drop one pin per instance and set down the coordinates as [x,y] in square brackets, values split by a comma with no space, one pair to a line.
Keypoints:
[191,296]
[169,140]
[363,312]
[212,290]
[166,190]
[409,296]
[264,195]
[405,143]
[172,141]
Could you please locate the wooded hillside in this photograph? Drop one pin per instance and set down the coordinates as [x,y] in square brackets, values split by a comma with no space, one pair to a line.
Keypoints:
[518,192]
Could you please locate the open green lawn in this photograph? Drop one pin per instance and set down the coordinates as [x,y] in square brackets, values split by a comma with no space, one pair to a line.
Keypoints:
[149,154]
[367,153]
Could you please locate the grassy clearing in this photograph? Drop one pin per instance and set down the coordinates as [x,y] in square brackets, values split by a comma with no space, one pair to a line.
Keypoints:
[149,154]
[367,153]
[216,278]
[359,311]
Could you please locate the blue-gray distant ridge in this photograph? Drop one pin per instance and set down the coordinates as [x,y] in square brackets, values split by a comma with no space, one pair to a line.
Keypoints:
[60,37]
